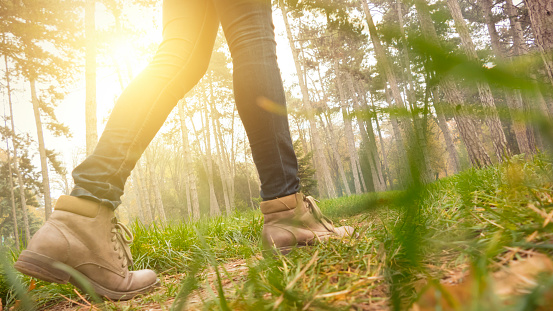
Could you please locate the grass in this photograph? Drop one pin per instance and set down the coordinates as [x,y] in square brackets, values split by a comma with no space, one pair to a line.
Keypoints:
[443,246]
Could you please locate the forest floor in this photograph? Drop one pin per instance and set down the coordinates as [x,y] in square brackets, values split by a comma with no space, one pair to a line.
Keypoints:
[479,240]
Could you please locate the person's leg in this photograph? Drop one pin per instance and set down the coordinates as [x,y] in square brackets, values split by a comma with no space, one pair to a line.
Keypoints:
[83,233]
[290,218]
[259,93]
[189,32]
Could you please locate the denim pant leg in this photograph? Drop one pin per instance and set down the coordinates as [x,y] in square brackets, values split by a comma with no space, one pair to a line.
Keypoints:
[259,94]
[189,31]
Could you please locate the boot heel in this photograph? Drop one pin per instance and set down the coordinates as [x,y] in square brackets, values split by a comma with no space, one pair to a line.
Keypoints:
[40,267]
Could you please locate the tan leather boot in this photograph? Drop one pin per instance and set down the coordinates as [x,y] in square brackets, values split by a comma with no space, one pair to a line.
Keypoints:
[86,236]
[296,220]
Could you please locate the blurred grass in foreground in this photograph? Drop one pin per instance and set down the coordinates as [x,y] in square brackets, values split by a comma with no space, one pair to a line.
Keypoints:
[471,225]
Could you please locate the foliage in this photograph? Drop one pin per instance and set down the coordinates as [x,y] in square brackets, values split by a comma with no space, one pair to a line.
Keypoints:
[473,219]
[32,189]
[306,170]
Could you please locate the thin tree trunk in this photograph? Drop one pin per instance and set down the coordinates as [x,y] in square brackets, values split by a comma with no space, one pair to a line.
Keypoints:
[375,156]
[12,195]
[486,97]
[350,141]
[138,197]
[20,182]
[406,60]
[222,167]
[369,141]
[320,159]
[214,209]
[382,147]
[449,145]
[336,154]
[159,201]
[225,165]
[90,77]
[144,192]
[190,179]
[246,171]
[232,164]
[42,151]
[154,186]
[334,140]
[403,173]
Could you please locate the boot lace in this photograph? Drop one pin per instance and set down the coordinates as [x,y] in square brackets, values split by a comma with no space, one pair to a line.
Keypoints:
[122,238]
[316,211]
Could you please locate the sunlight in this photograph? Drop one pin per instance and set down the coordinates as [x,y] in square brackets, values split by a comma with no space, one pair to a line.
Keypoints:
[402,155]
[122,52]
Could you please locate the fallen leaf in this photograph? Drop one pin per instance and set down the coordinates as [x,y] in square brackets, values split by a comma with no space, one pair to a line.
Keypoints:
[514,279]
[444,297]
[520,275]
[32,285]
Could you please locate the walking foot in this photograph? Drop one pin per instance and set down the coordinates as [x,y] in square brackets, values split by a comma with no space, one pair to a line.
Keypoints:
[295,221]
[86,236]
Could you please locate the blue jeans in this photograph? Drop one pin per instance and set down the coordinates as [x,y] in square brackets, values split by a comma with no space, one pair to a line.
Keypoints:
[189,31]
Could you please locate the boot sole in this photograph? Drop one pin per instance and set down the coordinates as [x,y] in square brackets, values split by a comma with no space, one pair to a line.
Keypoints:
[44,268]
[285,250]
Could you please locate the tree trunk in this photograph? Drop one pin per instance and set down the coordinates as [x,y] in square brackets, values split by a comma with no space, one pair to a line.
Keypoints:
[541,19]
[332,138]
[369,140]
[384,64]
[214,209]
[420,124]
[513,97]
[90,77]
[232,162]
[227,176]
[12,195]
[529,99]
[411,96]
[403,172]
[144,193]
[222,167]
[449,145]
[319,156]
[20,182]
[11,184]
[486,97]
[386,168]
[193,203]
[138,197]
[42,151]
[338,159]
[350,141]
[467,129]
[203,156]
[154,187]
[246,171]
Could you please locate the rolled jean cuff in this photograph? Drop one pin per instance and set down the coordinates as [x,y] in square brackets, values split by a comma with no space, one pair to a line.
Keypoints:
[82,193]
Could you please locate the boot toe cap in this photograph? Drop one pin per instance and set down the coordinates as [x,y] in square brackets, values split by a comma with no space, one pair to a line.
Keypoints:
[345,231]
[144,279]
